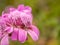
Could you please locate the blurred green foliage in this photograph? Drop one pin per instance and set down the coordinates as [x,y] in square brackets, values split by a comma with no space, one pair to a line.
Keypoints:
[46,15]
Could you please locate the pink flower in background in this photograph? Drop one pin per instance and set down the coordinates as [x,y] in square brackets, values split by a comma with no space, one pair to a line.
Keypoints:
[19,23]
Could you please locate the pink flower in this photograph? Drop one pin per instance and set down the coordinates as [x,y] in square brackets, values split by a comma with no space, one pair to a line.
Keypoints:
[19,22]
[3,34]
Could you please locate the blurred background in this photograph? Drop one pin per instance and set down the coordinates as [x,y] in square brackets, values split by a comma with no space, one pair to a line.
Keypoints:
[46,15]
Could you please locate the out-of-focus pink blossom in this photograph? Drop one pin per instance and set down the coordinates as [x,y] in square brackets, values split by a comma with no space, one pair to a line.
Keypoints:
[19,23]
[3,33]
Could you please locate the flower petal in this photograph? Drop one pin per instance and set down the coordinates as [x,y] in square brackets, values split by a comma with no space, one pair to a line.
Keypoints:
[9,29]
[21,7]
[4,40]
[22,35]
[11,9]
[26,19]
[35,29]
[14,34]
[5,15]
[0,34]
[33,35]
[8,9]
[27,9]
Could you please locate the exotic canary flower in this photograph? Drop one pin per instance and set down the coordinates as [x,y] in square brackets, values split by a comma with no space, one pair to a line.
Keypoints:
[20,22]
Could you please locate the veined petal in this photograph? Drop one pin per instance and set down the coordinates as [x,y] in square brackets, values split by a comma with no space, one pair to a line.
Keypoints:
[33,35]
[14,35]
[26,19]
[5,40]
[22,35]
[35,29]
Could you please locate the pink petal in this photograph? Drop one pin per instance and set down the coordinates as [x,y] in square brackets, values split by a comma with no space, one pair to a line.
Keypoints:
[26,19]
[0,34]
[18,22]
[4,40]
[6,18]
[35,29]
[9,29]
[33,35]
[14,34]
[5,15]
[11,9]
[8,10]
[21,7]
[27,9]
[22,35]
